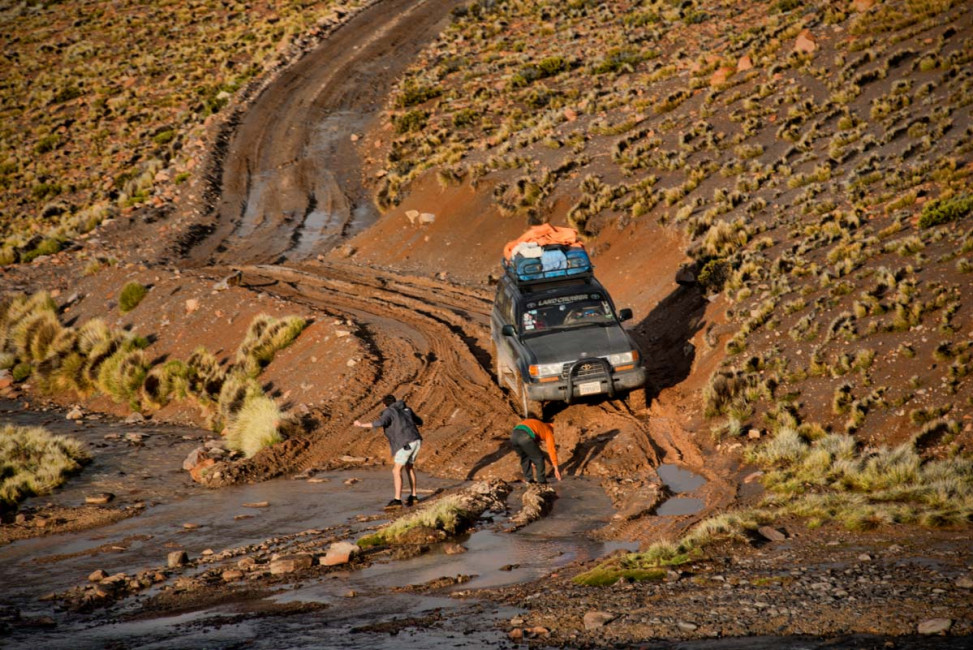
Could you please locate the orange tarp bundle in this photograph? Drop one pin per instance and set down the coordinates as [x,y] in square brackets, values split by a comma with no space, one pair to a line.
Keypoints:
[542,235]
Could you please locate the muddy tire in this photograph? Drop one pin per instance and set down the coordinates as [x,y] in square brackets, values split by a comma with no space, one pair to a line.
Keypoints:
[530,408]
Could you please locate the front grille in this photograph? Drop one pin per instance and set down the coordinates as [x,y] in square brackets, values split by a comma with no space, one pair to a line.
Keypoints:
[586,370]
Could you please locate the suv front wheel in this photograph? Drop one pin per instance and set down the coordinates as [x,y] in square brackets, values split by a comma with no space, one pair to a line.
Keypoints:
[528,407]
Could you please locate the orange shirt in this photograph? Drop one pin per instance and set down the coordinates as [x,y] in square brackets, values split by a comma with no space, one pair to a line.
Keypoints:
[543,432]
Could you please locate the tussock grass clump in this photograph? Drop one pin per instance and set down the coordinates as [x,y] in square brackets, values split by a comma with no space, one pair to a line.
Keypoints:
[165,382]
[861,488]
[254,426]
[33,462]
[131,295]
[265,336]
[446,515]
[649,564]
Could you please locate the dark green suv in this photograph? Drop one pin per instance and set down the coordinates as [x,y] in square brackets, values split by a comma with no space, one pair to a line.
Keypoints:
[559,338]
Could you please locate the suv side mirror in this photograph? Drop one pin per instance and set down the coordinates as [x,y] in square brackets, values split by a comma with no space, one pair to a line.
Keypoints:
[625,314]
[508,330]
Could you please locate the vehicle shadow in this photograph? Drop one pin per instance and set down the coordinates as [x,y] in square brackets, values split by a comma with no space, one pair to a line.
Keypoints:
[665,338]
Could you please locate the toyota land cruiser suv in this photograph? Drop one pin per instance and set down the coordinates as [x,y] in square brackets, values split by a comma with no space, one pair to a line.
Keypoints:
[558,339]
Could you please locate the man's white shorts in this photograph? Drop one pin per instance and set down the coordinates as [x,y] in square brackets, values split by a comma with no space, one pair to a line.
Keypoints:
[407,455]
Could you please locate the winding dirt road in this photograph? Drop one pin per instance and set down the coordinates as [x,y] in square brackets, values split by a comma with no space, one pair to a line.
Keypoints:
[291,190]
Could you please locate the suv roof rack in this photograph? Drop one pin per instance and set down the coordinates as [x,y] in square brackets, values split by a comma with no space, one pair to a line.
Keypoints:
[557,263]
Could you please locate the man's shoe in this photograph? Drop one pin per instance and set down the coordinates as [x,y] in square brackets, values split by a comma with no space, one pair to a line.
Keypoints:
[411,500]
[394,503]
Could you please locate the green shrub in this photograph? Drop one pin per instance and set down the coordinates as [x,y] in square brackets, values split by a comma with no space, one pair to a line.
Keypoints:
[411,122]
[131,295]
[49,246]
[413,94]
[714,275]
[33,462]
[164,137]
[942,211]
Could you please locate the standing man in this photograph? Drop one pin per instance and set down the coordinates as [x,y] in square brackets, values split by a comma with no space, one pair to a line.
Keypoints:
[526,439]
[401,427]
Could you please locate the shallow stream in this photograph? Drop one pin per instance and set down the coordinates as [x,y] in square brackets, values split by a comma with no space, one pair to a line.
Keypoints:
[226,518]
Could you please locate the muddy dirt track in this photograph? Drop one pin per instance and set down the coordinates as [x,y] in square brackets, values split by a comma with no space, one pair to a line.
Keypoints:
[289,182]
[290,191]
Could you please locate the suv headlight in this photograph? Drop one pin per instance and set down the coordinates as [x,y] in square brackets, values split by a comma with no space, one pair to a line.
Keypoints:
[624,358]
[546,369]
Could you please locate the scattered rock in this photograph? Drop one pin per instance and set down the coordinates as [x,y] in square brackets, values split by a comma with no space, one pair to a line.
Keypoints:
[535,632]
[190,525]
[97,575]
[99,499]
[196,456]
[452,548]
[135,418]
[862,5]
[353,459]
[192,304]
[412,215]
[290,564]
[595,619]
[965,582]
[351,481]
[351,593]
[805,42]
[686,626]
[198,471]
[340,553]
[750,478]
[745,63]
[231,574]
[771,534]
[6,379]
[426,218]
[257,504]
[132,436]
[516,634]
[935,626]
[177,559]
[754,434]
[720,75]
[75,414]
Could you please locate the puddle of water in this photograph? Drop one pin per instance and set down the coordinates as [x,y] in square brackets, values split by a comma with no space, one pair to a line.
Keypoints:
[680,506]
[680,481]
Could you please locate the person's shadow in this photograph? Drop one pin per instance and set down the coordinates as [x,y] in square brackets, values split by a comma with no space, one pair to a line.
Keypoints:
[504,449]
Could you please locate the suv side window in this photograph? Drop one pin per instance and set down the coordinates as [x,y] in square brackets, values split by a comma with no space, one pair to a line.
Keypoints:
[503,304]
[508,310]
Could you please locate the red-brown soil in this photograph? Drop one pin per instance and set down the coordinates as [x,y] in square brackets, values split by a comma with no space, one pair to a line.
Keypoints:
[396,307]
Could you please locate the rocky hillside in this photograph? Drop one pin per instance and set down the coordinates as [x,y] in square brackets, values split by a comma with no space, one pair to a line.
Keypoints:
[817,156]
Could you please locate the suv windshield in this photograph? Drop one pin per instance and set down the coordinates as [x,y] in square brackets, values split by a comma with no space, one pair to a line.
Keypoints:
[566,312]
